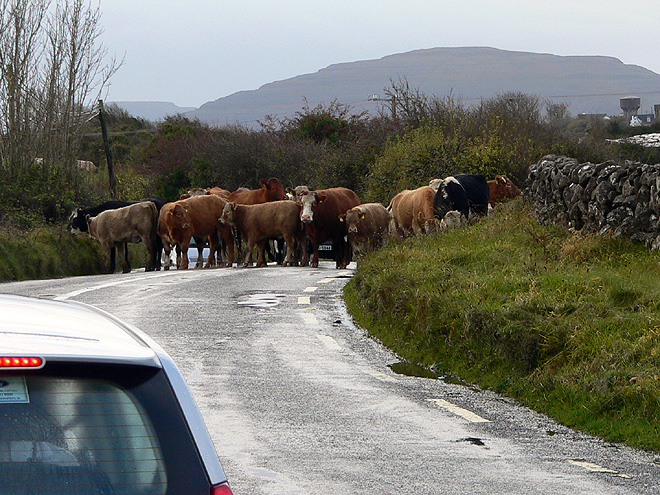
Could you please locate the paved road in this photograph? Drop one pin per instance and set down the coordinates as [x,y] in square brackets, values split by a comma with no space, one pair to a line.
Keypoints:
[300,401]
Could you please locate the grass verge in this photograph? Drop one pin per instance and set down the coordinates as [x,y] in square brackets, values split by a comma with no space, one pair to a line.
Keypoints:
[567,323]
[50,252]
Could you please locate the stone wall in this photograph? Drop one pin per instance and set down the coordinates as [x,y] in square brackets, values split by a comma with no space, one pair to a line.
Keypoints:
[621,199]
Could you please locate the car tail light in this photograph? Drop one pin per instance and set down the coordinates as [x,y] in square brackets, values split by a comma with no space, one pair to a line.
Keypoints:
[21,362]
[221,489]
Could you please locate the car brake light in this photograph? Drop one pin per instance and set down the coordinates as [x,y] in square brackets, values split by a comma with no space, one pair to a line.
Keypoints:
[221,489]
[22,362]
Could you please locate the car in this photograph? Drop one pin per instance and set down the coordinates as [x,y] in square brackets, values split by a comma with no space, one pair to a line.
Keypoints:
[326,250]
[92,405]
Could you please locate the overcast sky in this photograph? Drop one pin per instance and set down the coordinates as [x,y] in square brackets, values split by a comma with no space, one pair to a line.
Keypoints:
[193,51]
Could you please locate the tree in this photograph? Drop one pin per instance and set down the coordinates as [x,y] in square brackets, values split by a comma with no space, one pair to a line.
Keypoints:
[52,72]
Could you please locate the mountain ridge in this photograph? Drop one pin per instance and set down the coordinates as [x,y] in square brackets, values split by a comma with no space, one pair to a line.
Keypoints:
[587,83]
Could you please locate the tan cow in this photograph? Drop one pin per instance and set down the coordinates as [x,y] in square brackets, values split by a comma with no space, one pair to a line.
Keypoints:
[197,216]
[257,223]
[367,226]
[412,212]
[133,223]
[86,165]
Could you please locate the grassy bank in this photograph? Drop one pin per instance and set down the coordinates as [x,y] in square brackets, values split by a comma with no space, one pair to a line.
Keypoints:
[50,252]
[568,324]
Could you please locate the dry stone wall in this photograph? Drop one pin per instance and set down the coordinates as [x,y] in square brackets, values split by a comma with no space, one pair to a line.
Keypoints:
[606,197]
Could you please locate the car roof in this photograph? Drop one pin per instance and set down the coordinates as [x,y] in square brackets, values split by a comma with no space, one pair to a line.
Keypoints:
[69,331]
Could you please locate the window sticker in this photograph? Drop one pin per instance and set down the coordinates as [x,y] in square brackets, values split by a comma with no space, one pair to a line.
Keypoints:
[13,390]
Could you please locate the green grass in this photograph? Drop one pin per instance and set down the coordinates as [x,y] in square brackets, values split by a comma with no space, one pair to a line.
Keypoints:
[567,323]
[50,252]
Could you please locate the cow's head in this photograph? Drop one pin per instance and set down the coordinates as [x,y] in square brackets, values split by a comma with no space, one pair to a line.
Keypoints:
[77,222]
[274,189]
[89,225]
[197,191]
[435,184]
[503,187]
[227,215]
[452,220]
[308,202]
[353,217]
[299,191]
[178,217]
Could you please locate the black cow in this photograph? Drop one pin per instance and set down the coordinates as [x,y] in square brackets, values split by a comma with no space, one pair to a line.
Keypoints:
[463,192]
[78,225]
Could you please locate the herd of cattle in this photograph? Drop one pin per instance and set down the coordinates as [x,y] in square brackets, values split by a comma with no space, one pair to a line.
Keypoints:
[302,218]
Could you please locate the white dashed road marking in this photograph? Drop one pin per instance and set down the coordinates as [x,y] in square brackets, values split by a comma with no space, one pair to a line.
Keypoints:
[380,376]
[310,289]
[104,286]
[303,300]
[329,342]
[459,411]
[595,468]
[310,320]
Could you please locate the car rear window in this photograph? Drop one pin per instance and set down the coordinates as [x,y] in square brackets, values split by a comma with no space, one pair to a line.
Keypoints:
[81,430]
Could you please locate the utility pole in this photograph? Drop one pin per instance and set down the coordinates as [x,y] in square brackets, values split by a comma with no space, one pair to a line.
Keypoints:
[108,153]
[391,100]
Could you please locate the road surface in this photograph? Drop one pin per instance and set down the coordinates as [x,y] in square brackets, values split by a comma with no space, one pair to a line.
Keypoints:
[300,401]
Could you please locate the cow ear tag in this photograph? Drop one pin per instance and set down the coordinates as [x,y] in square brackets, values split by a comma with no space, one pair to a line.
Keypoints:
[362,217]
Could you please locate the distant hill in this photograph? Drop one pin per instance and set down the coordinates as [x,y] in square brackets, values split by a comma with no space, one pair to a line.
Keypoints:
[151,110]
[588,84]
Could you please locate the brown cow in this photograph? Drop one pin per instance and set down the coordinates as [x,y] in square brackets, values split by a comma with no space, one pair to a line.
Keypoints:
[270,190]
[223,193]
[319,211]
[200,241]
[133,223]
[168,242]
[501,188]
[412,212]
[258,223]
[197,216]
[367,226]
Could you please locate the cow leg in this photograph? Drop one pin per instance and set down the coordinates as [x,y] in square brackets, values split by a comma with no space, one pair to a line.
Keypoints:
[199,242]
[342,252]
[248,254]
[108,254]
[304,251]
[128,263]
[150,245]
[178,250]
[261,253]
[213,247]
[167,248]
[121,251]
[158,252]
[184,255]
[315,256]
[110,265]
[280,247]
[290,243]
[228,240]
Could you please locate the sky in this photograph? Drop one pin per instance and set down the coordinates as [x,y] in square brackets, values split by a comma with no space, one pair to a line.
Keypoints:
[194,51]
